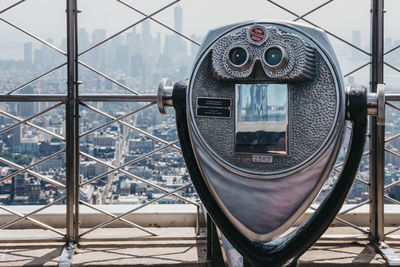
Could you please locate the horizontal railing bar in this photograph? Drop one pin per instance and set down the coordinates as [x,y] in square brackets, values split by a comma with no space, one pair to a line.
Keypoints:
[121,219]
[344,237]
[134,209]
[87,98]
[392,97]
[118,98]
[31,240]
[141,238]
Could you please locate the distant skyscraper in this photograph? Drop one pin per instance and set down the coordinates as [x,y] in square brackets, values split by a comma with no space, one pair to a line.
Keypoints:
[28,54]
[122,58]
[49,55]
[133,40]
[157,45]
[169,45]
[178,18]
[117,41]
[14,139]
[63,45]
[146,39]
[38,58]
[138,67]
[98,35]
[98,55]
[83,39]
[179,43]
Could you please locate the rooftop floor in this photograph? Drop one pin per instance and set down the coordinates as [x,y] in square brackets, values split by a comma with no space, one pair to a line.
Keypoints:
[176,246]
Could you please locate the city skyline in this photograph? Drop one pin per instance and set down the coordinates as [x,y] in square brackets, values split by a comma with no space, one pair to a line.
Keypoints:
[137,59]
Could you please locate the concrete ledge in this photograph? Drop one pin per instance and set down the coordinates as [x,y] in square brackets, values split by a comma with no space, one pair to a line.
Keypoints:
[179,215]
[169,215]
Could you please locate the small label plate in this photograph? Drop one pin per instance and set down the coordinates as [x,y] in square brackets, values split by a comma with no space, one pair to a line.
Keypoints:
[257,35]
[214,102]
[262,158]
[213,107]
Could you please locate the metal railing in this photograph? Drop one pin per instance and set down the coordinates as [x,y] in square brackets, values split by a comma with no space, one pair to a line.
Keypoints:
[72,102]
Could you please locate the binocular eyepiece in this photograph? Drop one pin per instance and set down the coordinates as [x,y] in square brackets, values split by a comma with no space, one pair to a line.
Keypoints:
[274,57]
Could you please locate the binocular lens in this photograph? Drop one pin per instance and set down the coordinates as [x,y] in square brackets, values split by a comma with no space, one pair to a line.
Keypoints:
[273,56]
[238,56]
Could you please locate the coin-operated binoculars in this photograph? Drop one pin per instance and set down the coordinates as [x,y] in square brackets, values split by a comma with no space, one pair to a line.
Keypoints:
[261,122]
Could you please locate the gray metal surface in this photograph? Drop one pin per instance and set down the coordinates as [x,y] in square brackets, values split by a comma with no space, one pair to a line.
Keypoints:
[66,255]
[377,132]
[268,211]
[301,58]
[72,120]
[316,121]
[312,114]
[388,254]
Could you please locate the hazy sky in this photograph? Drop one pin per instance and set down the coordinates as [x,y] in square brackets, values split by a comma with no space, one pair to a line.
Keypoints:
[46,18]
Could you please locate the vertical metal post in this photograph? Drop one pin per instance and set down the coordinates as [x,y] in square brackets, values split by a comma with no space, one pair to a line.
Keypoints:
[72,124]
[377,132]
